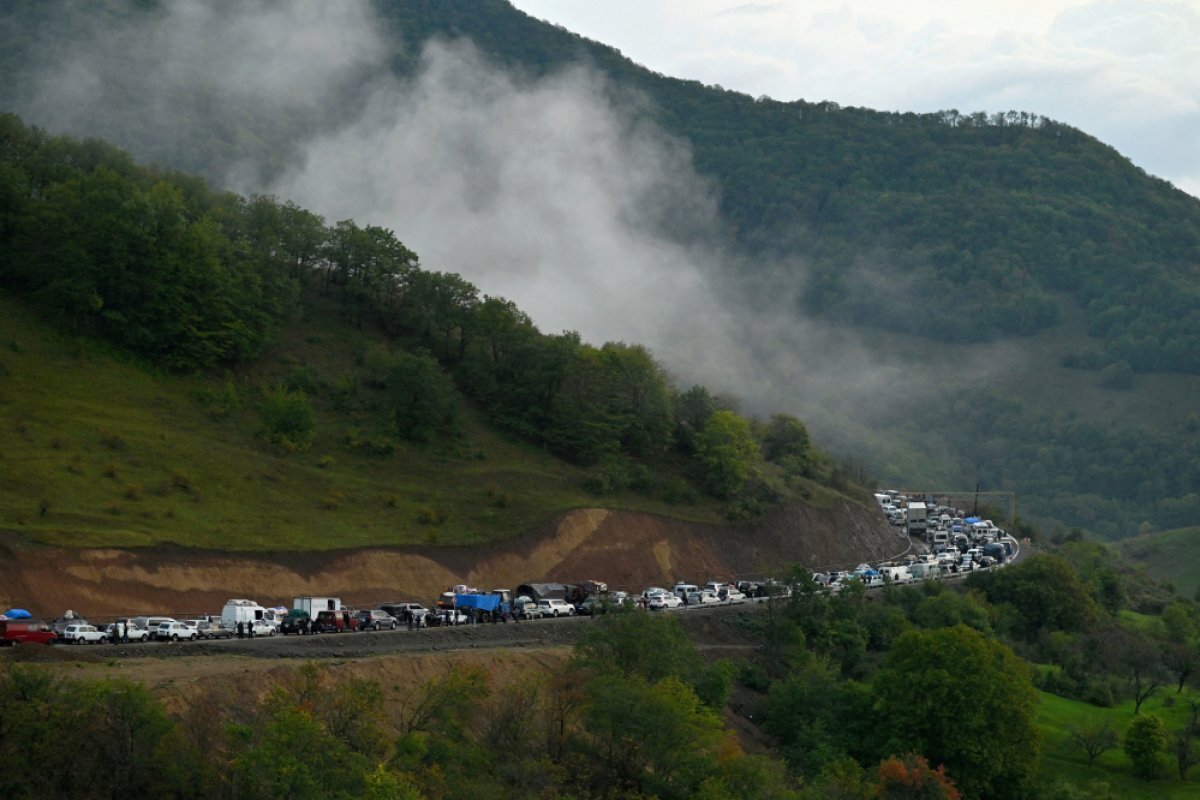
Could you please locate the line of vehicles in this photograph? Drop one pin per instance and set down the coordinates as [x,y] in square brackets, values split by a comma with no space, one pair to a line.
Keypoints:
[956,543]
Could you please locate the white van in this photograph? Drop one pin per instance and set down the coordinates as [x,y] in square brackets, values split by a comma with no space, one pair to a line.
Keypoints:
[682,590]
[246,612]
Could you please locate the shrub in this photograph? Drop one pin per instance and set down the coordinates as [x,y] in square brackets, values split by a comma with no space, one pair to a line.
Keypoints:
[326,461]
[287,419]
[182,481]
[427,515]
[1117,376]
[111,439]
[303,379]
[333,499]
[134,491]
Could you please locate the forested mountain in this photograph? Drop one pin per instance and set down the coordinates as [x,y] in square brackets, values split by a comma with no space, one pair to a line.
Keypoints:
[189,279]
[954,227]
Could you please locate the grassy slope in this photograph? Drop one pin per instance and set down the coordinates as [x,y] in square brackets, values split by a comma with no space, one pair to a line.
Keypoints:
[1168,556]
[1058,716]
[118,455]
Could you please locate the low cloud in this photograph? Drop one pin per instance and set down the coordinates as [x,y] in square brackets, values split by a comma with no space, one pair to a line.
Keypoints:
[549,191]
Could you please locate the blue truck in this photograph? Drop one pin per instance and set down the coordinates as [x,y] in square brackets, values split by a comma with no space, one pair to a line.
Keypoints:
[487,606]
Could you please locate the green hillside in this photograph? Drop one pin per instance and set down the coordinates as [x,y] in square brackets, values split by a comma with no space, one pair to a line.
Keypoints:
[231,373]
[100,451]
[1168,557]
[1059,717]
[1035,289]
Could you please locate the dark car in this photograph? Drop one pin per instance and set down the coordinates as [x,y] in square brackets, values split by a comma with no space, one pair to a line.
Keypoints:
[376,620]
[336,621]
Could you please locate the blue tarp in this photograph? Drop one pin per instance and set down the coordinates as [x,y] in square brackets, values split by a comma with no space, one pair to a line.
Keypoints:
[972,520]
[17,613]
[484,602]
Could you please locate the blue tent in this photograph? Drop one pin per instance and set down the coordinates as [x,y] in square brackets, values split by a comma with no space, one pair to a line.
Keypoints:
[17,613]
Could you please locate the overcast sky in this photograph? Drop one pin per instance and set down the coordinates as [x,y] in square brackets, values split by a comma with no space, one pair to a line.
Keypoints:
[1125,71]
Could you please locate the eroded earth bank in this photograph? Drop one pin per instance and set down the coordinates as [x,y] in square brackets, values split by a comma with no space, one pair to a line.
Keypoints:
[628,550]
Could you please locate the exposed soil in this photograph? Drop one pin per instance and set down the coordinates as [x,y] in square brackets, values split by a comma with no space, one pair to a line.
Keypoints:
[626,549]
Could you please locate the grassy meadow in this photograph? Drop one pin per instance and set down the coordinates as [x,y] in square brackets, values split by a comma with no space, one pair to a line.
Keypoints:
[97,450]
[1057,718]
[1168,556]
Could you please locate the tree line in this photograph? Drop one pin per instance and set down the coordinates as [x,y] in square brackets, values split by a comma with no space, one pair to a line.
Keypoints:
[191,279]
[922,691]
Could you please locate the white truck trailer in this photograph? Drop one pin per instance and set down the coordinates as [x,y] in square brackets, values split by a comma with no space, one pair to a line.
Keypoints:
[916,516]
[315,605]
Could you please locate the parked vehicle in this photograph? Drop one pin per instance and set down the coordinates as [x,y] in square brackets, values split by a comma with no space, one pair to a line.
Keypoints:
[132,632]
[916,517]
[209,629]
[590,606]
[447,617]
[15,632]
[377,619]
[246,612]
[896,574]
[663,601]
[83,633]
[261,627]
[403,611]
[556,608]
[314,605]
[484,607]
[174,631]
[335,622]
[682,590]
[732,594]
[702,597]
[524,608]
[296,622]
[151,624]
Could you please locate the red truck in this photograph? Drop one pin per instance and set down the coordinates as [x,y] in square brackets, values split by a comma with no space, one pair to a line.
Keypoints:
[19,631]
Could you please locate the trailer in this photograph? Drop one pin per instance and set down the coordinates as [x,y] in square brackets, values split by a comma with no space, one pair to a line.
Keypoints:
[916,517]
[315,605]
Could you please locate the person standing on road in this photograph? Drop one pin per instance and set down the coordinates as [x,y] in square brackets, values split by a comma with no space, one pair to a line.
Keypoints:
[241,630]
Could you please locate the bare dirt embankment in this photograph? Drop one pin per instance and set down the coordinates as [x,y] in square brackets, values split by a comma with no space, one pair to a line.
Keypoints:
[626,549]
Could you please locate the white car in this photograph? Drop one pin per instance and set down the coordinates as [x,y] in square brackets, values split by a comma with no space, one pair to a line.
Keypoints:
[132,632]
[659,602]
[174,631]
[704,597]
[734,595]
[556,608]
[82,633]
[260,627]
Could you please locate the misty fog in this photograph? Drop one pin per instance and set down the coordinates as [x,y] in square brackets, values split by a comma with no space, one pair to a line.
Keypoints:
[547,191]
